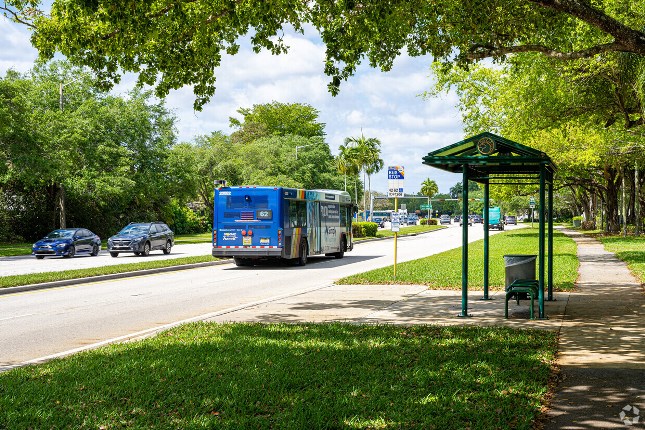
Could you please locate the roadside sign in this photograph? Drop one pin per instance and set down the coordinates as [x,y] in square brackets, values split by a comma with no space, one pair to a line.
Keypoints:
[395,222]
[532,203]
[395,177]
[426,207]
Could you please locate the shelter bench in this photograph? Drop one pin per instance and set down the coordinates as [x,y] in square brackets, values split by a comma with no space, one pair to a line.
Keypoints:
[520,289]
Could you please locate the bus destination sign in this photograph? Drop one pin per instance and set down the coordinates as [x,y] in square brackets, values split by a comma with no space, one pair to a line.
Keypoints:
[395,177]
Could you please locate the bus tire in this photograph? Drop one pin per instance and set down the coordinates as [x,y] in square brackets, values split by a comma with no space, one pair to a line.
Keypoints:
[304,250]
[241,262]
[343,246]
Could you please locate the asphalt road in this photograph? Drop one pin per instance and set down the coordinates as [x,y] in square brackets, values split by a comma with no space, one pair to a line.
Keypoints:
[25,264]
[42,323]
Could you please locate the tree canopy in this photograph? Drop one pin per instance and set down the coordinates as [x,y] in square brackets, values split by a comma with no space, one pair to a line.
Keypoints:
[586,114]
[171,44]
[98,162]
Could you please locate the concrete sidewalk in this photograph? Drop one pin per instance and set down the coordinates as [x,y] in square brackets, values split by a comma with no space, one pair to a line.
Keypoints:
[602,347]
[601,357]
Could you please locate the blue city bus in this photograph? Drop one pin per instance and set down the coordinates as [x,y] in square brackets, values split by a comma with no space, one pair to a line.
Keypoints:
[253,223]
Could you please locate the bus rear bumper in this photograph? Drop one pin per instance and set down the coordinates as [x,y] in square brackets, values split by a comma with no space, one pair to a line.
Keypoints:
[248,252]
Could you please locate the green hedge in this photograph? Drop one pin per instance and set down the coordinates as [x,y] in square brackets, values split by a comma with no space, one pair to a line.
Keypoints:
[428,221]
[364,229]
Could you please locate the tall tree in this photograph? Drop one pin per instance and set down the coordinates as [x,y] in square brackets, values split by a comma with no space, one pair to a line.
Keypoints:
[104,154]
[174,44]
[587,115]
[347,163]
[276,119]
[367,155]
[429,187]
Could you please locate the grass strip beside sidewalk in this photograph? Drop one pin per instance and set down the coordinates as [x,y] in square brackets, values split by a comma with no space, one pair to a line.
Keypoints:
[291,376]
[443,270]
[39,278]
[630,249]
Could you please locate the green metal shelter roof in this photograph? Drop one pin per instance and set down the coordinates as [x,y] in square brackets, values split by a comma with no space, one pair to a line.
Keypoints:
[491,158]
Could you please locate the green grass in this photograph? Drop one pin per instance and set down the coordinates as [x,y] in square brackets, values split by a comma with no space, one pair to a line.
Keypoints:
[443,271]
[14,249]
[413,229]
[184,239]
[630,249]
[291,376]
[37,278]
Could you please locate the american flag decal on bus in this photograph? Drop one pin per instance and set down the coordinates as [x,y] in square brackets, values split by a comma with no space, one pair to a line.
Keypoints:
[247,215]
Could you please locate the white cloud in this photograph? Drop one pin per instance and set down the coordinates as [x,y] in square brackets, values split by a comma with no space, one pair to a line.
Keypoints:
[17,52]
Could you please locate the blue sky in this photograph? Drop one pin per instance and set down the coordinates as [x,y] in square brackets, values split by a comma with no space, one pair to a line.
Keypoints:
[382,105]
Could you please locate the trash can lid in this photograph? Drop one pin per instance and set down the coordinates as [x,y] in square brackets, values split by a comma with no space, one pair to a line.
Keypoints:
[518,259]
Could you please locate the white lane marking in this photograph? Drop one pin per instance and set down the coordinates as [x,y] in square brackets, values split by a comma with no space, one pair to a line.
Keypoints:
[16,317]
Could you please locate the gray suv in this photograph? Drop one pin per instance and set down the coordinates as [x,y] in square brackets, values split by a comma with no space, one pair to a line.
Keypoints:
[445,219]
[142,237]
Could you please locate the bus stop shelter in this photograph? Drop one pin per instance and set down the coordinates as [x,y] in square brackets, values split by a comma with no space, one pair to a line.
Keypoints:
[490,159]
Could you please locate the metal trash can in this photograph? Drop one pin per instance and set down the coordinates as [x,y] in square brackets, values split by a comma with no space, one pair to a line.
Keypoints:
[519,266]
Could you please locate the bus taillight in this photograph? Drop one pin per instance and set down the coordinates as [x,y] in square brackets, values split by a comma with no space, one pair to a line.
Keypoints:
[279,237]
[250,233]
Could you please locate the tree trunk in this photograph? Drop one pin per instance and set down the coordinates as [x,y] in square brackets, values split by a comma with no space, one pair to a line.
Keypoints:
[364,202]
[611,192]
[623,201]
[637,200]
[60,205]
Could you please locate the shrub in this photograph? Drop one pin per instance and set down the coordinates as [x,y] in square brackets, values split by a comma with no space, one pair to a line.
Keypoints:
[364,229]
[427,221]
[184,220]
[588,225]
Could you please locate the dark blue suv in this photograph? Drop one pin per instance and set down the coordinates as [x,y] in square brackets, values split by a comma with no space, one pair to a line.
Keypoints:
[142,237]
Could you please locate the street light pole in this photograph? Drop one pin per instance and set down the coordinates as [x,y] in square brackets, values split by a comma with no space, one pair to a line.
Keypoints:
[60,92]
[61,188]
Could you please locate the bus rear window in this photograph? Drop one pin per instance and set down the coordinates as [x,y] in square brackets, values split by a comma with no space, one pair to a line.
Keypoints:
[247,202]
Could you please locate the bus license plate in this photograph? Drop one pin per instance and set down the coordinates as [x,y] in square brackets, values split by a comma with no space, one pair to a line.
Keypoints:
[246,241]
[264,241]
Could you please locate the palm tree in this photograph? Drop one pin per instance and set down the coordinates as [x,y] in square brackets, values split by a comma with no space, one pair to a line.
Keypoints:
[347,164]
[429,188]
[368,152]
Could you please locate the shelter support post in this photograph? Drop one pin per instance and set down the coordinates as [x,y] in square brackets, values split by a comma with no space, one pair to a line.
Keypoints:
[550,261]
[542,213]
[464,244]
[486,225]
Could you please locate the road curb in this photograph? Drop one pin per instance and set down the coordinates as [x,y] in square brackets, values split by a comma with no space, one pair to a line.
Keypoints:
[76,281]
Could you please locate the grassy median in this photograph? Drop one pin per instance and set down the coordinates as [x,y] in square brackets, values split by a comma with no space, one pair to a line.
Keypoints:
[39,278]
[15,249]
[291,376]
[443,271]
